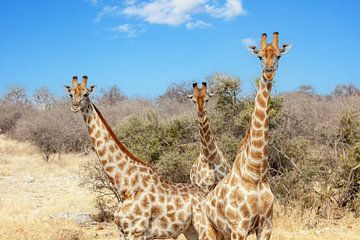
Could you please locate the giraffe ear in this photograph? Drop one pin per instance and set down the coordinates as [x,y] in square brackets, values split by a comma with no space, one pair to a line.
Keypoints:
[211,94]
[285,48]
[189,96]
[91,88]
[253,50]
[67,88]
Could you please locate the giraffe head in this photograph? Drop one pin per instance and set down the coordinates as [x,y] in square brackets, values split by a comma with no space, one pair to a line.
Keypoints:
[79,93]
[269,55]
[200,97]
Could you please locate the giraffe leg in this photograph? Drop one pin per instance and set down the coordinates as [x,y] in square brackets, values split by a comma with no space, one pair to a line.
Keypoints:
[132,226]
[205,229]
[240,231]
[264,232]
[238,235]
[132,237]
[117,222]
[196,220]
[117,218]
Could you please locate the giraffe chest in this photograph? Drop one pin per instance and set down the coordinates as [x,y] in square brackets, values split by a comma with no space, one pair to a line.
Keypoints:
[203,175]
[228,205]
[161,214]
[172,222]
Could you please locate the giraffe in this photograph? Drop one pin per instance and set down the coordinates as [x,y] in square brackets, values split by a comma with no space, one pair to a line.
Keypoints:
[150,207]
[210,166]
[242,203]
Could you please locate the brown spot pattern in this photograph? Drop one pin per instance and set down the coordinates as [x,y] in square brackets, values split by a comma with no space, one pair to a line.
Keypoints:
[101,152]
[155,211]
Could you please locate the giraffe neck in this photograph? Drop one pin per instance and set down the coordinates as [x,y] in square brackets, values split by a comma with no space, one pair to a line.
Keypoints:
[119,164]
[253,160]
[209,148]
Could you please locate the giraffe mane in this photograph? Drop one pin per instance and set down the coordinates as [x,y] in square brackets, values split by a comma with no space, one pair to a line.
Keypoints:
[117,141]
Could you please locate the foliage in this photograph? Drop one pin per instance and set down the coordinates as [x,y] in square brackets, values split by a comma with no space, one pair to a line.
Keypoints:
[43,98]
[164,144]
[314,152]
[108,198]
[226,89]
[10,113]
[177,92]
[54,130]
[346,90]
[111,96]
[15,95]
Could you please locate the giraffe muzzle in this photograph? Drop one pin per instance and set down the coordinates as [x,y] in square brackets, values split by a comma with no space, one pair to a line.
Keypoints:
[269,69]
[75,108]
[269,76]
[201,114]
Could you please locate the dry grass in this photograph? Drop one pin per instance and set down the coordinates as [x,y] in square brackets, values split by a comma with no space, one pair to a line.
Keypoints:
[31,191]
[293,224]
[9,146]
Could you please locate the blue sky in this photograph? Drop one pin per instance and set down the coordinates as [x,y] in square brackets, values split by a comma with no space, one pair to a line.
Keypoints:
[143,46]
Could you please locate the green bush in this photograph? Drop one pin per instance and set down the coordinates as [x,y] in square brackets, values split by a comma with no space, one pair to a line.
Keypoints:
[170,146]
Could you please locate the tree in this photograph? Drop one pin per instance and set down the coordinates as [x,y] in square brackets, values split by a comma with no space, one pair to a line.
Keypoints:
[44,98]
[346,90]
[111,96]
[226,89]
[178,91]
[306,89]
[16,94]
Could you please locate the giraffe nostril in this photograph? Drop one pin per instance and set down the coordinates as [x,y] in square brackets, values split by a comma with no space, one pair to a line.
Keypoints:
[269,69]
[76,105]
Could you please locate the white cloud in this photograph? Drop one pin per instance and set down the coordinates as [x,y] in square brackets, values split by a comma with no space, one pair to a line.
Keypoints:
[108,11]
[176,12]
[231,9]
[248,42]
[197,24]
[170,12]
[130,30]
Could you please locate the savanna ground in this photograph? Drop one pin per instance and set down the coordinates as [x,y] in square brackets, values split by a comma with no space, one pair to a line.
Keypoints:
[32,192]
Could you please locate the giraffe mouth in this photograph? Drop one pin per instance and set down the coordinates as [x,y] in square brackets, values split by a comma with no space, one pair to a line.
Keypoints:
[75,109]
[201,114]
[269,76]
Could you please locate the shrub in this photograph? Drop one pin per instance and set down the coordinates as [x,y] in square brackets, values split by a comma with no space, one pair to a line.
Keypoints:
[157,142]
[111,96]
[16,95]
[55,130]
[43,98]
[10,114]
[177,92]
[108,198]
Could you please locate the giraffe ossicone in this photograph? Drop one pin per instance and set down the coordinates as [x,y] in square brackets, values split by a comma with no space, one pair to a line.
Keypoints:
[242,203]
[210,166]
[151,207]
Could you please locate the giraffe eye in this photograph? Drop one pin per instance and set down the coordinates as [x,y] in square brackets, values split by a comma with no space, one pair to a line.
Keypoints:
[71,95]
[86,95]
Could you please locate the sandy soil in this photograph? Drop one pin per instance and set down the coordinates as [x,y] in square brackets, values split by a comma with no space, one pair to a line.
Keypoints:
[33,191]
